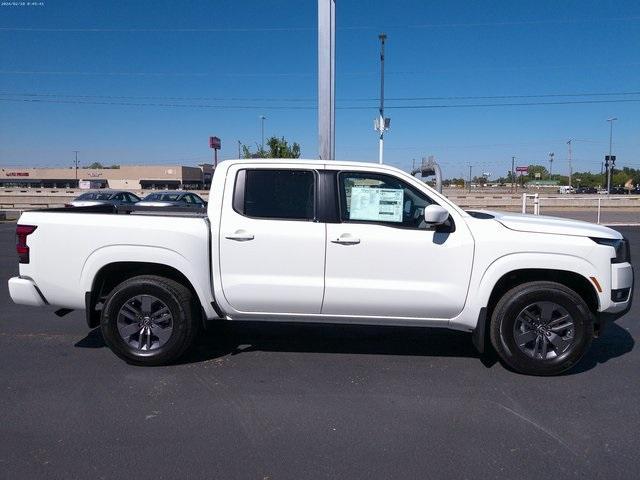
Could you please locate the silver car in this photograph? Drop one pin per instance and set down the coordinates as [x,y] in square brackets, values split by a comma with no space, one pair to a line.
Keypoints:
[172,198]
[104,197]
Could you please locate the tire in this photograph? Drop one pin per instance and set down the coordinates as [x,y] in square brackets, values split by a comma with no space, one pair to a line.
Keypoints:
[150,320]
[521,326]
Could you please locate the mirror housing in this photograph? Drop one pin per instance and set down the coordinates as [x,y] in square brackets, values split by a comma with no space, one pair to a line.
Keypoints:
[435,215]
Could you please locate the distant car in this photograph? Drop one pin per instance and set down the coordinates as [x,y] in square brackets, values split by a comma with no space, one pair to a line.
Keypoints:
[172,198]
[104,197]
[565,189]
[586,190]
[619,191]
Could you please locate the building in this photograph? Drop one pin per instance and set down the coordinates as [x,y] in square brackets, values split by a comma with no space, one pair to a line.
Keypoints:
[132,177]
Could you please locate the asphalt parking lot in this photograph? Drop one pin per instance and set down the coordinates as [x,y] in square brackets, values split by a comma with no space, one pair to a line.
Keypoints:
[301,402]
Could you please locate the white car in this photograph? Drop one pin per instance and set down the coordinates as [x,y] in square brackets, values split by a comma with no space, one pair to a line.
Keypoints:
[328,241]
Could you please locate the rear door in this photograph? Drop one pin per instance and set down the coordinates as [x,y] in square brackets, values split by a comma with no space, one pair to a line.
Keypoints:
[271,244]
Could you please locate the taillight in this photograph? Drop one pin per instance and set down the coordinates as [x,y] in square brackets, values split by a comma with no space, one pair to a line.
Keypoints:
[21,241]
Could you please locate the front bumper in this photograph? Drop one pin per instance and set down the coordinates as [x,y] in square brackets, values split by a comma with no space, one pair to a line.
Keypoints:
[621,280]
[24,291]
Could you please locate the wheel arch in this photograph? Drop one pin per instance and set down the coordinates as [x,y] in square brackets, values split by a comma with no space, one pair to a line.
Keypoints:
[112,274]
[575,281]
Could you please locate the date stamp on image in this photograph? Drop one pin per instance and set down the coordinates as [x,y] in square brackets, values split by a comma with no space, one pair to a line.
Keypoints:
[22,4]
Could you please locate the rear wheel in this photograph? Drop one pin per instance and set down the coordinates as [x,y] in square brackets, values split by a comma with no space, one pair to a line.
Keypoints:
[149,320]
[541,328]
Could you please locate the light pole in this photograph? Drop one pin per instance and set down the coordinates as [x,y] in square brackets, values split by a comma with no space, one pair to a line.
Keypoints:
[470,178]
[239,146]
[570,165]
[381,123]
[551,154]
[76,163]
[513,173]
[610,161]
[262,119]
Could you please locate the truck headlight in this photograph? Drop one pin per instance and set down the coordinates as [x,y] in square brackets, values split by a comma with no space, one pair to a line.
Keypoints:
[623,252]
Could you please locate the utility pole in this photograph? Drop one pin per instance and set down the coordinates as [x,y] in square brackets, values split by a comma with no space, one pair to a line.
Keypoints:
[239,147]
[570,165]
[470,178]
[326,79]
[262,119]
[610,161]
[76,163]
[382,123]
[513,174]
[551,154]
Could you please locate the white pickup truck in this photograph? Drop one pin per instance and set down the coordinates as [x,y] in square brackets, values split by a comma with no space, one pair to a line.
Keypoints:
[335,242]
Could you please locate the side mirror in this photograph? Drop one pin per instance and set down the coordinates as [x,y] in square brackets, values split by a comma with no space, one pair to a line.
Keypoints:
[435,215]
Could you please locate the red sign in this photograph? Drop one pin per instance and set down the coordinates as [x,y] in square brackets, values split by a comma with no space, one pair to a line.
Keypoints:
[214,142]
[522,169]
[17,174]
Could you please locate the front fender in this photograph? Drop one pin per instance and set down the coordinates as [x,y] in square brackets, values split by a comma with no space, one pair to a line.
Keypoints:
[487,280]
[198,274]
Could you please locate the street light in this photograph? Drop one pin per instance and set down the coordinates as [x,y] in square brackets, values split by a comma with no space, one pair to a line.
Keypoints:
[610,161]
[262,118]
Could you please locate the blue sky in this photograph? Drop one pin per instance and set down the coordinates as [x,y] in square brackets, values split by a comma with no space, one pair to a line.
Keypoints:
[81,60]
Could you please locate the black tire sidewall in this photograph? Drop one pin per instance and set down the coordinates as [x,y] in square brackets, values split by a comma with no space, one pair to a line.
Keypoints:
[125,292]
[506,317]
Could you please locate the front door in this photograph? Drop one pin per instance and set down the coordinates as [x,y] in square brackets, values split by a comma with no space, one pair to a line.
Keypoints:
[383,260]
[271,246]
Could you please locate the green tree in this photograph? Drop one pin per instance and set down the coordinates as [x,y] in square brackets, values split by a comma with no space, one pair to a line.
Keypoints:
[94,165]
[277,148]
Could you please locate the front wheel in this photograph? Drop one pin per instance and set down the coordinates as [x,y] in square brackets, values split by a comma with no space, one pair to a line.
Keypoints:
[541,328]
[149,320]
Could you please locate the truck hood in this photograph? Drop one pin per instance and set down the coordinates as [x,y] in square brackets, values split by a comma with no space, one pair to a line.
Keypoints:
[555,225]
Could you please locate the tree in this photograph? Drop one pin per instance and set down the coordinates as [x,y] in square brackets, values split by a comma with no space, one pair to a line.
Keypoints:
[94,165]
[278,148]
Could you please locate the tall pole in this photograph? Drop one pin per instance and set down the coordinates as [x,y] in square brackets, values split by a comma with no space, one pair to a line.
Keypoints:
[326,79]
[262,119]
[513,173]
[383,38]
[609,164]
[76,163]
[551,154]
[570,165]
[239,146]
[469,178]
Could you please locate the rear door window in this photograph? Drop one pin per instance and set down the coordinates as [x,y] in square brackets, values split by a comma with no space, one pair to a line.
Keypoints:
[276,194]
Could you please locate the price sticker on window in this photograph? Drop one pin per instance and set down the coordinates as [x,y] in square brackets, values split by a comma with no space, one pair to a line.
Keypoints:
[376,204]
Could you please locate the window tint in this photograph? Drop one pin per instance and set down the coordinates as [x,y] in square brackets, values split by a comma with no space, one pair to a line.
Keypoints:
[287,194]
[197,200]
[187,198]
[132,198]
[378,198]
[119,197]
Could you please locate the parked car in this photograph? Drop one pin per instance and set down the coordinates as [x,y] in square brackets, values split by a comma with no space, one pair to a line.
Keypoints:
[338,242]
[172,198]
[586,190]
[565,189]
[104,197]
[619,191]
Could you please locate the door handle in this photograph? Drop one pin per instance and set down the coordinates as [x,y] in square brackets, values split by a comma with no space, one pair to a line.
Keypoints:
[240,236]
[346,239]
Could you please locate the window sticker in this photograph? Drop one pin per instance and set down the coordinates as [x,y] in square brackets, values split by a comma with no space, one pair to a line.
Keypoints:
[377,204]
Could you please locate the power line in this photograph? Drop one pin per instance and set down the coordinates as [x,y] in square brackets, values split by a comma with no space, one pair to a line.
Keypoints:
[312,99]
[295,107]
[311,29]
